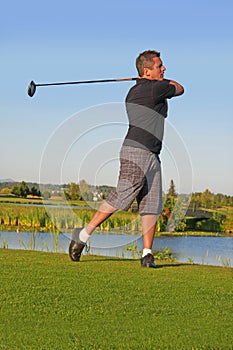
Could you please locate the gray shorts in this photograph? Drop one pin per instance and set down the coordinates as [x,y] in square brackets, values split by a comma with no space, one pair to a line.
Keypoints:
[140,178]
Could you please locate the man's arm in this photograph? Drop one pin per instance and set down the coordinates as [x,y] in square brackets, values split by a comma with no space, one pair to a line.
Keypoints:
[179,88]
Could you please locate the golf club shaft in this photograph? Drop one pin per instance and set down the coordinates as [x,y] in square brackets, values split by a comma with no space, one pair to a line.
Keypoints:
[32,86]
[87,81]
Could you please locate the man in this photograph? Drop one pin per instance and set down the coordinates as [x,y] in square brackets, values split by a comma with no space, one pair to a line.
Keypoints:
[140,171]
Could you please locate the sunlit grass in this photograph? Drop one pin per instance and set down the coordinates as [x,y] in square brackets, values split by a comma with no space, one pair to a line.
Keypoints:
[49,302]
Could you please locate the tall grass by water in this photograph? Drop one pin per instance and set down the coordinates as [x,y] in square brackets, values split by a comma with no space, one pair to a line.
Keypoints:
[52,219]
[49,302]
[15,216]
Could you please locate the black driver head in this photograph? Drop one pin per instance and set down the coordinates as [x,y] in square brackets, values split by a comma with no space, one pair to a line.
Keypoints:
[31,88]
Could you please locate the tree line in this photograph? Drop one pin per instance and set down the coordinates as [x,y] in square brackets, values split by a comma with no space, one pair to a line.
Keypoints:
[84,191]
[23,190]
[210,200]
[71,191]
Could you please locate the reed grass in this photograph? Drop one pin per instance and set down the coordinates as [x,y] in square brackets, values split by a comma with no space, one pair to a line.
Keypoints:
[52,219]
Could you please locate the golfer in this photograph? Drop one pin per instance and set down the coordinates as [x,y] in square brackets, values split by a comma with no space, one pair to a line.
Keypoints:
[140,170]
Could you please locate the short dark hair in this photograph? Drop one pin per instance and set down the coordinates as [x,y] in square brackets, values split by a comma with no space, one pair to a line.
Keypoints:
[145,60]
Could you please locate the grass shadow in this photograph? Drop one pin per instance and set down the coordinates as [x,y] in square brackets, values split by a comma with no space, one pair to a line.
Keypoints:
[175,264]
[96,259]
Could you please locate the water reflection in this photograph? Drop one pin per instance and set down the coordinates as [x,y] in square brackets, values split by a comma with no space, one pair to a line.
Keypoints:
[216,251]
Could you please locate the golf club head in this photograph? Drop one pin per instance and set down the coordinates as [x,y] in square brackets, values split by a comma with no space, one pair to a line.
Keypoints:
[31,88]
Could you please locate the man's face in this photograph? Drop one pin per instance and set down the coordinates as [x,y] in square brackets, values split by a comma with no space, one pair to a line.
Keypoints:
[157,72]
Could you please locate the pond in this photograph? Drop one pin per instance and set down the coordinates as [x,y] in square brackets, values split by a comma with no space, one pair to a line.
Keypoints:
[217,251]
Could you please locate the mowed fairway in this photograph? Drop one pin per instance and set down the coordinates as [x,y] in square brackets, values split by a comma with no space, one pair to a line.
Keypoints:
[49,302]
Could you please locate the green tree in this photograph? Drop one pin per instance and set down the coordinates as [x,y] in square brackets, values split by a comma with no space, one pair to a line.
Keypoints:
[16,191]
[172,190]
[35,192]
[169,205]
[86,193]
[24,190]
[195,202]
[74,191]
[21,191]
[207,199]
[172,217]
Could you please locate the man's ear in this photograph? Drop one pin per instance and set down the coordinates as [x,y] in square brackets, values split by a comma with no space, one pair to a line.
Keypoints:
[146,72]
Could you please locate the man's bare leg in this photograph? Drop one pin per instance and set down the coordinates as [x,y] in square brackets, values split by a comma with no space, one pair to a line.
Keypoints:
[148,229]
[104,212]
[80,238]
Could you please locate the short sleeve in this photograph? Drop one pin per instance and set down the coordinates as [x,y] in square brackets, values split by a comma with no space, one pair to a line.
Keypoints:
[164,90]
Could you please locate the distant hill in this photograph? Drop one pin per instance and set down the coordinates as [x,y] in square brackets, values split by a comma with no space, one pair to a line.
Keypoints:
[6,180]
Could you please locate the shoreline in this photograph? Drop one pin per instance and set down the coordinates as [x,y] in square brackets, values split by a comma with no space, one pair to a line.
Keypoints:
[10,229]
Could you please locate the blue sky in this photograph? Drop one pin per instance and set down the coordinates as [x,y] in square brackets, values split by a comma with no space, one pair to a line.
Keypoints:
[52,41]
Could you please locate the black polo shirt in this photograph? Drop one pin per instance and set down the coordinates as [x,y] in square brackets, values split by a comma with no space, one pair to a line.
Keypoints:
[146,105]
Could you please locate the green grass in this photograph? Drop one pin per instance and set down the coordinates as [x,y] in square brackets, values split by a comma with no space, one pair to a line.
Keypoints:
[31,200]
[228,212]
[49,302]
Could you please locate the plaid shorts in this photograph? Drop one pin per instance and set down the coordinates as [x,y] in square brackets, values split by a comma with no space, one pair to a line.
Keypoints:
[140,178]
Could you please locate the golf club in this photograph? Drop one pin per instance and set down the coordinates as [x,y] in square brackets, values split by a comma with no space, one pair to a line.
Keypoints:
[32,86]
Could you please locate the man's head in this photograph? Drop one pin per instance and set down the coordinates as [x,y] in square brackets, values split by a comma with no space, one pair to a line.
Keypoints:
[150,66]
